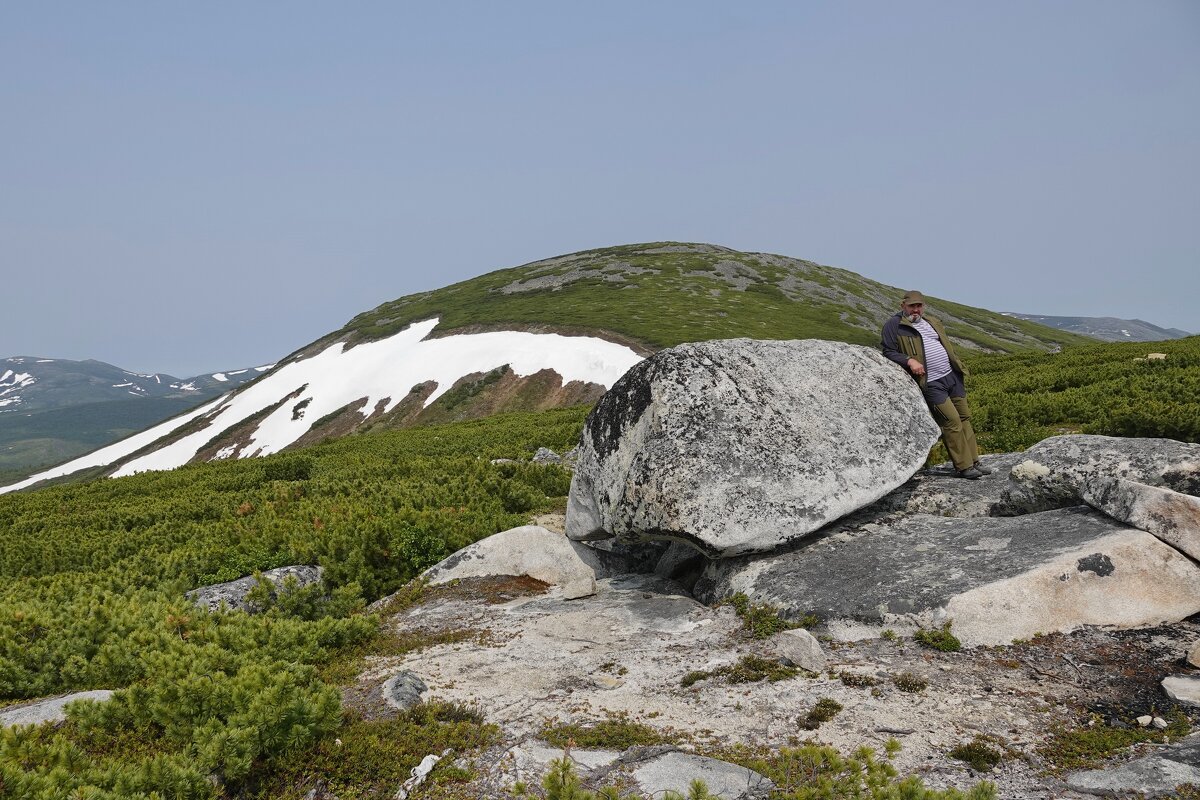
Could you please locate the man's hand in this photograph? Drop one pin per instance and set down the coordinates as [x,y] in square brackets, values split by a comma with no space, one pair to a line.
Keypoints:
[916,367]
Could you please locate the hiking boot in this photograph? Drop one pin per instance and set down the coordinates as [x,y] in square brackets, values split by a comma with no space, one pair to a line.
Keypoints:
[970,473]
[982,468]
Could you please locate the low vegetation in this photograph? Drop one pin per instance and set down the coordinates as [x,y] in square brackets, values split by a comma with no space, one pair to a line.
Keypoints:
[1087,746]
[826,709]
[818,772]
[748,669]
[92,582]
[761,620]
[93,575]
[615,732]
[938,639]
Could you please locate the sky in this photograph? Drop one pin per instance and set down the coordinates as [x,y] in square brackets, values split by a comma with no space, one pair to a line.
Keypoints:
[187,188]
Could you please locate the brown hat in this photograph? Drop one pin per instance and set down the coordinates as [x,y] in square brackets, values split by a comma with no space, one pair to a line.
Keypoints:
[912,296]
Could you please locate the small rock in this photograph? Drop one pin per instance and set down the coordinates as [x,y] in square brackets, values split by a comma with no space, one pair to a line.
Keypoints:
[545,455]
[1182,689]
[799,647]
[1159,723]
[1194,655]
[403,690]
[1145,720]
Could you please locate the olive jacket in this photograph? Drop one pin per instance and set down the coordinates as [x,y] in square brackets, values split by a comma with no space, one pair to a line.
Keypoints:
[901,341]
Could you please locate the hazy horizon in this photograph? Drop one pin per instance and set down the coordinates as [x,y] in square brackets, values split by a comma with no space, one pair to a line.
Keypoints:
[193,189]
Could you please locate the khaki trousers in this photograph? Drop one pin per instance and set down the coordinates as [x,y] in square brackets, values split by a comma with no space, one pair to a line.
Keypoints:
[953,416]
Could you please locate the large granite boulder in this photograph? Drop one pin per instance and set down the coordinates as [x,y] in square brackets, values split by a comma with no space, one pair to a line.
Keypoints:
[742,445]
[1055,471]
[995,579]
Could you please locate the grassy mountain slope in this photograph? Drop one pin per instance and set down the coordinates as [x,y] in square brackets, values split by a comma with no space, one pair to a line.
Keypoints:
[662,294]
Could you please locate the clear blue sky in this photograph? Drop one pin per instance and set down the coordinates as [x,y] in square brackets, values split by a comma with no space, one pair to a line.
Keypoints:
[203,186]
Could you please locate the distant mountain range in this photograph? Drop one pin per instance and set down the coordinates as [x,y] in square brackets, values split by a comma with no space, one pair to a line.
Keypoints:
[545,334]
[1108,329]
[53,409]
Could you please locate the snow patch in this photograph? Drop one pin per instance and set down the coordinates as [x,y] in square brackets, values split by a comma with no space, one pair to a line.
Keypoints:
[383,371]
[220,376]
[114,452]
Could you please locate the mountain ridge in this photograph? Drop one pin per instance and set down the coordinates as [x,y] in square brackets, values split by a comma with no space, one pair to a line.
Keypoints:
[639,297]
[1106,329]
[54,409]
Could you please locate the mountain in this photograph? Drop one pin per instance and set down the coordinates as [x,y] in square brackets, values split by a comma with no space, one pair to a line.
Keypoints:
[1108,329]
[547,334]
[52,409]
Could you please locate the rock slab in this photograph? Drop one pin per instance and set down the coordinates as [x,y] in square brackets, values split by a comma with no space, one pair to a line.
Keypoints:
[52,710]
[1056,470]
[1183,689]
[997,578]
[742,445]
[675,771]
[233,593]
[1172,516]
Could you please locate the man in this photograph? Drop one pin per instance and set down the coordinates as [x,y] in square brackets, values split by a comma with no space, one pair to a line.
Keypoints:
[919,344]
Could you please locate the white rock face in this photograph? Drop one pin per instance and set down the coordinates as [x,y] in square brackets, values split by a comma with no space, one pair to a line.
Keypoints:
[1126,580]
[529,550]
[741,445]
[1173,517]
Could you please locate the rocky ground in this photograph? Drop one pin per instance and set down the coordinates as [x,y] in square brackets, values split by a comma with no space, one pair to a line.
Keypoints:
[532,658]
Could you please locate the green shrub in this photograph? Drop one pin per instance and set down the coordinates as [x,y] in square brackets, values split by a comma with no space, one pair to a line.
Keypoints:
[940,639]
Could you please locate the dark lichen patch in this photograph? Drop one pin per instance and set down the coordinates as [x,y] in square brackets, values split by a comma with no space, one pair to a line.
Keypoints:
[1098,563]
[620,409]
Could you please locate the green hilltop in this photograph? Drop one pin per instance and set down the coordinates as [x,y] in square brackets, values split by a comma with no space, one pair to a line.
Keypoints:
[661,294]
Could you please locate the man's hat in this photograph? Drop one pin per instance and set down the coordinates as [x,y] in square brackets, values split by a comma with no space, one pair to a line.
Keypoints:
[912,296]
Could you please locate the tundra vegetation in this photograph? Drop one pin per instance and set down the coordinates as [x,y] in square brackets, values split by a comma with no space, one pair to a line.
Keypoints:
[211,705]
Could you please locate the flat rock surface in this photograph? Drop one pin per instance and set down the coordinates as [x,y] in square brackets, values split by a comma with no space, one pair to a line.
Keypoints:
[674,772]
[905,571]
[49,710]
[741,445]
[535,659]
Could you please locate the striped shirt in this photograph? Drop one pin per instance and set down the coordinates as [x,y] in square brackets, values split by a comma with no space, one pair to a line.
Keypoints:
[937,363]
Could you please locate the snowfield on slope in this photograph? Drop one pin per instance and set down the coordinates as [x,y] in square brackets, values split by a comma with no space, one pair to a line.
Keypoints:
[383,370]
